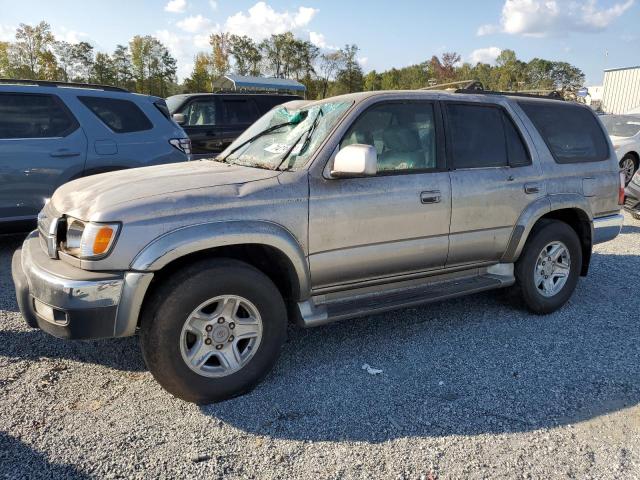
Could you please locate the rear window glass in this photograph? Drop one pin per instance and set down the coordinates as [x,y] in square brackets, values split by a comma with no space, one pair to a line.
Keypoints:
[34,116]
[572,133]
[121,116]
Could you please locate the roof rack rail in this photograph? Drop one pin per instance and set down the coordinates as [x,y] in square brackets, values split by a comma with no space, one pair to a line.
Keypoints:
[51,83]
[466,84]
[550,95]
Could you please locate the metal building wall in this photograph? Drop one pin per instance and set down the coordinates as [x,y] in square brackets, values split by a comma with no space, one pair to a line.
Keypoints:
[621,90]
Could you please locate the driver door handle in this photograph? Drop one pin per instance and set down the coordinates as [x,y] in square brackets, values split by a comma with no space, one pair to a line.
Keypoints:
[432,196]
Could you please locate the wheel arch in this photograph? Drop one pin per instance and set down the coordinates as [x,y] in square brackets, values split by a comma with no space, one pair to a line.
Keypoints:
[571,209]
[265,245]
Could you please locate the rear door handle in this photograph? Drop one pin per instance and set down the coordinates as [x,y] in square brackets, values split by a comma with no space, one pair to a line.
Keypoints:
[430,196]
[531,188]
[64,153]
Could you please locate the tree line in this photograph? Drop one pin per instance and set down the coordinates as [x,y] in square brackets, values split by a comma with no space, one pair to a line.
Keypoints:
[145,65]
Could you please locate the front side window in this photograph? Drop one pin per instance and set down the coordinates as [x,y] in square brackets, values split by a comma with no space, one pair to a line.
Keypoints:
[121,116]
[403,134]
[34,116]
[200,113]
[283,138]
[477,136]
[571,132]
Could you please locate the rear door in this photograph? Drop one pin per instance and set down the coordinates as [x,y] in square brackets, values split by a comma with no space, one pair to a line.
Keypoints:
[236,113]
[41,147]
[492,180]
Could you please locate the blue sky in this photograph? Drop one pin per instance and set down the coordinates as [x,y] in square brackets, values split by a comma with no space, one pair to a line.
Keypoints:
[591,34]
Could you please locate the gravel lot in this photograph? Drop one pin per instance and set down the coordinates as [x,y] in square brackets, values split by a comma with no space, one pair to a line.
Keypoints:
[471,388]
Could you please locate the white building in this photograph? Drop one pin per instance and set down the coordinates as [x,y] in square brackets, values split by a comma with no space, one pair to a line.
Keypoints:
[621,90]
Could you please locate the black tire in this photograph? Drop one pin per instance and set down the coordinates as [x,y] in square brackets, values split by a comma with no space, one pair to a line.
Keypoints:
[631,157]
[545,232]
[172,302]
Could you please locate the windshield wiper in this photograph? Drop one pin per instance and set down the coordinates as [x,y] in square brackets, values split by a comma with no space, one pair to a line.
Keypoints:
[255,137]
[308,133]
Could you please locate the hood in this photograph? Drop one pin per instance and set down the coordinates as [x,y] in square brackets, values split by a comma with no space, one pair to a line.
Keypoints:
[91,194]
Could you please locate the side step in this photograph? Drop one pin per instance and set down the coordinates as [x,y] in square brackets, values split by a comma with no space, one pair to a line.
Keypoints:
[313,314]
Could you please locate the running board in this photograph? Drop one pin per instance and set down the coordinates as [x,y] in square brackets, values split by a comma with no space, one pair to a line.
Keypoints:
[313,314]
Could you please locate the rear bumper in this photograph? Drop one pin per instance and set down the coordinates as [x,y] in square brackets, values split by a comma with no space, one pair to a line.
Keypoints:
[68,302]
[607,228]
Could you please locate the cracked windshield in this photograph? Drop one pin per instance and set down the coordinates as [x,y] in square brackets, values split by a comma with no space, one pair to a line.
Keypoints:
[285,138]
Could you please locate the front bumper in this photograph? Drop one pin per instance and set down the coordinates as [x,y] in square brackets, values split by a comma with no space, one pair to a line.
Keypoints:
[69,302]
[632,197]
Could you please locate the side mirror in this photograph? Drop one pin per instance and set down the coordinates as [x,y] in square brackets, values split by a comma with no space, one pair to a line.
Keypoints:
[179,118]
[355,161]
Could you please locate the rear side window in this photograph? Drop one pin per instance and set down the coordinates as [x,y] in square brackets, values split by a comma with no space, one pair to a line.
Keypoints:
[121,116]
[34,116]
[572,133]
[477,136]
[239,111]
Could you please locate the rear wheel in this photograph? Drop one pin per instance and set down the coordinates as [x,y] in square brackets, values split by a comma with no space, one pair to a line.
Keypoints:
[548,269]
[213,331]
[628,166]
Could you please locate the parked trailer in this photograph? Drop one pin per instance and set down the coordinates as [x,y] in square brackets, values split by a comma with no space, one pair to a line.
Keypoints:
[621,90]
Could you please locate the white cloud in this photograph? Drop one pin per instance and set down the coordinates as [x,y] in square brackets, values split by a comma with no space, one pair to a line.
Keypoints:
[540,18]
[7,33]
[363,61]
[176,6]
[320,41]
[71,36]
[194,24]
[485,55]
[262,20]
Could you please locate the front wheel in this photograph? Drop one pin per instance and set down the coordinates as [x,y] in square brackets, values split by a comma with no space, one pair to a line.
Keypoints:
[213,330]
[548,269]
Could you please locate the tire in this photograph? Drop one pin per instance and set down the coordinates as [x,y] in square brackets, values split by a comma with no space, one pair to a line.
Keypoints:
[183,304]
[629,166]
[528,269]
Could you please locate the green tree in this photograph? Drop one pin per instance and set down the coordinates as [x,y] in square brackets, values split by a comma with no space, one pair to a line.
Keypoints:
[350,77]
[82,61]
[246,55]
[372,81]
[104,71]
[6,68]
[200,79]
[32,50]
[122,67]
[221,51]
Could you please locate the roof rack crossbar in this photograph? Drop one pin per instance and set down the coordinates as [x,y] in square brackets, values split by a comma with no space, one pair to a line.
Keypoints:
[51,83]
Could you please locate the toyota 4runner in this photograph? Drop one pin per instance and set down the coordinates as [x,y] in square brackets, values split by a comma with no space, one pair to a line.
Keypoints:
[323,211]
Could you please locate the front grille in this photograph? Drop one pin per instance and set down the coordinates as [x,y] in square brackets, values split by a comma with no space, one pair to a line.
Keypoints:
[48,222]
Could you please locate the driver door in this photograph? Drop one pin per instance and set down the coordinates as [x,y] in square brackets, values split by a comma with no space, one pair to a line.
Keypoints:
[394,223]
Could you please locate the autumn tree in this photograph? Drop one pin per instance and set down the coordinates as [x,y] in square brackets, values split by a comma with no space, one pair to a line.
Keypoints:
[32,50]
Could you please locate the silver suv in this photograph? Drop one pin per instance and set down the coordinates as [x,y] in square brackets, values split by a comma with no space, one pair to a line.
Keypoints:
[323,211]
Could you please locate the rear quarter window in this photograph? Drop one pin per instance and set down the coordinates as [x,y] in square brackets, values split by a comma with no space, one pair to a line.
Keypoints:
[121,116]
[572,133]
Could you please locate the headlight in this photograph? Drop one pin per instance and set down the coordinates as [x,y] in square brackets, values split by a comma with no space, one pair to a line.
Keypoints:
[89,240]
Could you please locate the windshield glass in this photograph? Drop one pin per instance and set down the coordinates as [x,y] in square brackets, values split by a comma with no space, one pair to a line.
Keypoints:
[621,125]
[285,138]
[174,102]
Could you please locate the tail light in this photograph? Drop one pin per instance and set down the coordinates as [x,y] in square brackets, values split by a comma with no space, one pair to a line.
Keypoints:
[182,144]
[621,189]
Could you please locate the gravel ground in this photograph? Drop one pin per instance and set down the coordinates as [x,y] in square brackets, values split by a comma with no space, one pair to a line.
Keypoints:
[471,388]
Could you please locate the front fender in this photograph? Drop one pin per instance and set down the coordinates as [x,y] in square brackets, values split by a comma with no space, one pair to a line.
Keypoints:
[186,240]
